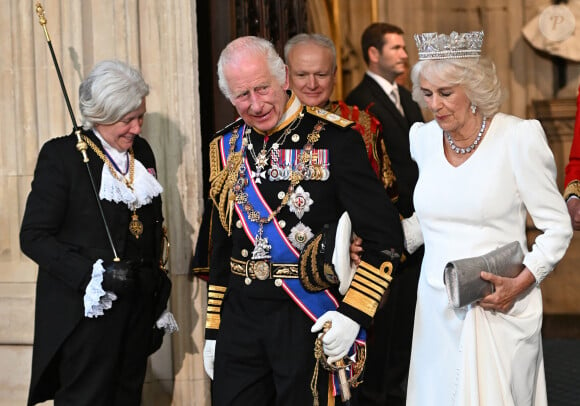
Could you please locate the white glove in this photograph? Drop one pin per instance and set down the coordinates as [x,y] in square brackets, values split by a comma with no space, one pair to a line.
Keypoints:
[337,341]
[412,232]
[209,357]
[167,322]
[341,255]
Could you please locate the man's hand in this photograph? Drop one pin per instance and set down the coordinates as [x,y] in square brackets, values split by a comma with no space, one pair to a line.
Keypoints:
[356,250]
[573,204]
[209,357]
[337,341]
[119,277]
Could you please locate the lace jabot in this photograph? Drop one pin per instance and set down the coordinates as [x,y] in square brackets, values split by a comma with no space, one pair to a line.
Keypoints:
[145,188]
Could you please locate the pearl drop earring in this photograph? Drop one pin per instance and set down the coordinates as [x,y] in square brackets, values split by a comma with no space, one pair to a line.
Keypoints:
[473,108]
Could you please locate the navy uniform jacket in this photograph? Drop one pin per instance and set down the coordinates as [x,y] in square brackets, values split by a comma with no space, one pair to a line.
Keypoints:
[62,231]
[352,186]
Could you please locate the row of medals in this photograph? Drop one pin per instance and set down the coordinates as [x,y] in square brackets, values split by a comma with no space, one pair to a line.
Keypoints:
[299,202]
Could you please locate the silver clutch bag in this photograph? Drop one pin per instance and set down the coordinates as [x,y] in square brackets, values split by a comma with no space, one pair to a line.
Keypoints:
[462,276]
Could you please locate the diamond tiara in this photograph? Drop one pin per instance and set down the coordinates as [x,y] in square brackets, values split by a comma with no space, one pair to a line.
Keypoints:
[432,45]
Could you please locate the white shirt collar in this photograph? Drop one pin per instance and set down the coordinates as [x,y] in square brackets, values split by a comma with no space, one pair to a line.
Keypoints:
[383,83]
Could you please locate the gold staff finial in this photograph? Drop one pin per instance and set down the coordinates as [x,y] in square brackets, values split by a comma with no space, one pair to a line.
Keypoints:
[42,19]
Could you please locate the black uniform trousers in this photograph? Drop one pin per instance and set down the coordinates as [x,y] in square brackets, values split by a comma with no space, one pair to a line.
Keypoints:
[265,351]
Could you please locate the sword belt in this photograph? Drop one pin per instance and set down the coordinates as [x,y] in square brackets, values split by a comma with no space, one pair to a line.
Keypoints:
[263,269]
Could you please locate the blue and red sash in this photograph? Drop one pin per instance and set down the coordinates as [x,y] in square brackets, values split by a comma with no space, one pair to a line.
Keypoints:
[313,304]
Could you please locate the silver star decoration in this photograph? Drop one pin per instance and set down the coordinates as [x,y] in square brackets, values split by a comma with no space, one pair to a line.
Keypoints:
[299,235]
[300,202]
[258,175]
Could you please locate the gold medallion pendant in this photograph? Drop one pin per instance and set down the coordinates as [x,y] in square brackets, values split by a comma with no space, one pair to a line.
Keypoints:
[135,225]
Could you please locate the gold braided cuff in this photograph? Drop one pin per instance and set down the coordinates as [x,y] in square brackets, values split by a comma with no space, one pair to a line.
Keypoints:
[368,286]
[215,298]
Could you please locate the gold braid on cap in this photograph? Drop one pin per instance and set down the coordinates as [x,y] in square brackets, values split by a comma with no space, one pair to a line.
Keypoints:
[432,45]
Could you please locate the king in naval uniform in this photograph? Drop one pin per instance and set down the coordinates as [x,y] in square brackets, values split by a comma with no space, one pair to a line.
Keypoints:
[279,175]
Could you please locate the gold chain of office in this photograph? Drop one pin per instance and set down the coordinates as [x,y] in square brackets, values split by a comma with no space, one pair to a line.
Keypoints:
[135,225]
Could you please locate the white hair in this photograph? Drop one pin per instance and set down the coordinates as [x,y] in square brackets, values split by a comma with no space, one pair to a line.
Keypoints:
[477,77]
[110,91]
[318,39]
[253,46]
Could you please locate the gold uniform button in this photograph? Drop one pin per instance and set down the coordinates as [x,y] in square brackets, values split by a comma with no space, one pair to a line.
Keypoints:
[281,195]
[278,282]
[239,224]
[245,253]
[282,223]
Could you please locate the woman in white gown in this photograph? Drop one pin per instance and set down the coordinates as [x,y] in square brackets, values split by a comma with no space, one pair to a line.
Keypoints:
[481,172]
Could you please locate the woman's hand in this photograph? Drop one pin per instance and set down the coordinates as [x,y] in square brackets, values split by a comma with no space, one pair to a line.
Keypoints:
[507,290]
[356,250]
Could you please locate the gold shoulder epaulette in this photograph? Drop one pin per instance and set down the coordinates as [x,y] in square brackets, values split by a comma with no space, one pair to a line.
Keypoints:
[328,116]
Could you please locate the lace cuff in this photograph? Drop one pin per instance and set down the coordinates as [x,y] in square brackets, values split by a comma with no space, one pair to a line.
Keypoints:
[167,322]
[96,300]
[413,235]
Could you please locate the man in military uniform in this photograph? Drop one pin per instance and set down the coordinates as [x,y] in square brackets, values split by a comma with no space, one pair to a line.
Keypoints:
[311,60]
[278,175]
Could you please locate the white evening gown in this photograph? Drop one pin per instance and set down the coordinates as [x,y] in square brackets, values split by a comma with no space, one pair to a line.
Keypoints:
[470,356]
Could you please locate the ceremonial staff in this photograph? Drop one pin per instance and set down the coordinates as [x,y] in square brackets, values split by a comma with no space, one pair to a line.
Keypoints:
[81,144]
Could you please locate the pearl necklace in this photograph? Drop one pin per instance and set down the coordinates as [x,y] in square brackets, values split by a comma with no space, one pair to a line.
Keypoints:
[472,147]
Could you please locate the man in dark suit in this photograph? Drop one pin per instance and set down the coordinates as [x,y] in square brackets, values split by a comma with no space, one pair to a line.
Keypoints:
[99,293]
[383,48]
